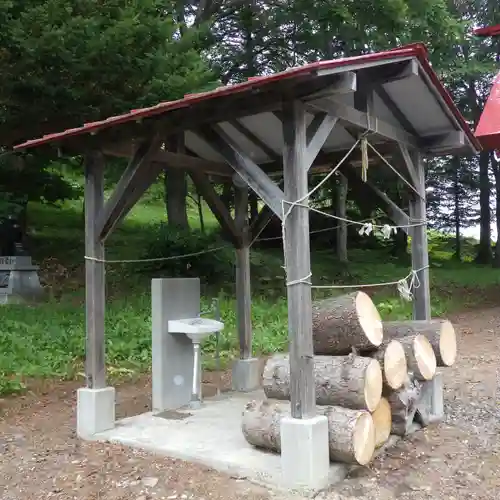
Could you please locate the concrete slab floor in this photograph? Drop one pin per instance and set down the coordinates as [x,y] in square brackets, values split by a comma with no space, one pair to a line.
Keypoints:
[210,435]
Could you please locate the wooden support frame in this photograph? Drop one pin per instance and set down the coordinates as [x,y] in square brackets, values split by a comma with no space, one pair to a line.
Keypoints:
[217,207]
[257,141]
[95,369]
[419,245]
[298,263]
[249,171]
[364,121]
[243,289]
[393,211]
[137,170]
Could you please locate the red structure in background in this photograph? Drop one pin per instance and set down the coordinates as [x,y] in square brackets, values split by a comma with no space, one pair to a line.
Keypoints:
[488,128]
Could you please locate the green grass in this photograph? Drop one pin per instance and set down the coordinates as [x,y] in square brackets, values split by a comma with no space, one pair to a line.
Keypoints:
[47,340]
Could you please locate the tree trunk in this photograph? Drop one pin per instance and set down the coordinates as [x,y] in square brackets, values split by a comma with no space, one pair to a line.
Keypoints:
[350,381]
[392,358]
[403,406]
[456,193]
[496,171]
[341,323]
[351,433]
[175,198]
[440,334]
[342,224]
[484,250]
[420,356]
[382,419]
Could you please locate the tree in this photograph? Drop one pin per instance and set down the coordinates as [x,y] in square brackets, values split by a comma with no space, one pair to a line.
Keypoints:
[65,63]
[452,196]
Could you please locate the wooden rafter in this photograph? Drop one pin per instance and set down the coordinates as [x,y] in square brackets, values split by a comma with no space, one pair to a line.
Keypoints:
[261,144]
[364,121]
[253,175]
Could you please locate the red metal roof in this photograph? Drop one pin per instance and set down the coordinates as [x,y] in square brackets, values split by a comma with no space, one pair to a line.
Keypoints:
[488,128]
[488,31]
[417,50]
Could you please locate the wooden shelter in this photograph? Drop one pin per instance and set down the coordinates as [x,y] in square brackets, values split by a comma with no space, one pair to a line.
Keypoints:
[282,125]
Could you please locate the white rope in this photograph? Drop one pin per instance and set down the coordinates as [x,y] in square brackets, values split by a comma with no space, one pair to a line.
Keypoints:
[405,285]
[404,288]
[157,259]
[366,228]
[393,169]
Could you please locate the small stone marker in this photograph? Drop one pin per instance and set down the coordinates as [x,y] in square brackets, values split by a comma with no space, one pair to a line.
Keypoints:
[19,281]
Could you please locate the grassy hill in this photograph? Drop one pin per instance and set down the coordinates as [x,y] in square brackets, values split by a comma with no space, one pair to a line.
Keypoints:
[47,340]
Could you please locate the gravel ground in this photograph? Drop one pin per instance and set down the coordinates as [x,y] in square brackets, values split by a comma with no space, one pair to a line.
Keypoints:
[41,458]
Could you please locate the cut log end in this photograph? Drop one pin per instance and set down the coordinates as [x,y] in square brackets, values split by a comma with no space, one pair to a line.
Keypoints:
[448,344]
[364,437]
[369,319]
[373,385]
[425,357]
[382,419]
[395,366]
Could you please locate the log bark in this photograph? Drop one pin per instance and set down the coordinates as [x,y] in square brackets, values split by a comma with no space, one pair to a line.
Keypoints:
[382,419]
[420,356]
[341,323]
[351,381]
[392,358]
[403,404]
[351,433]
[440,334]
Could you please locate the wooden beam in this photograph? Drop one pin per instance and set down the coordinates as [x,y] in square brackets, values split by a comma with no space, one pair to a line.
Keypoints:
[410,167]
[253,175]
[298,263]
[345,83]
[173,160]
[362,120]
[419,247]
[317,133]
[243,291]
[263,219]
[114,209]
[142,184]
[442,144]
[95,369]
[273,155]
[410,69]
[220,211]
[395,110]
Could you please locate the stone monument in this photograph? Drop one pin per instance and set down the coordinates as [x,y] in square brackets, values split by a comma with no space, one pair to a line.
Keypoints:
[19,281]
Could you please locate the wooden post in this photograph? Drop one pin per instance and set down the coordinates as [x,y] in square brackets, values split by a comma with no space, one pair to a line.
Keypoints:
[419,248]
[298,262]
[243,291]
[342,224]
[95,370]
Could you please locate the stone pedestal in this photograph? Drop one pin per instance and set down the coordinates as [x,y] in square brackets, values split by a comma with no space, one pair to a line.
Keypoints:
[95,411]
[19,281]
[246,375]
[305,460]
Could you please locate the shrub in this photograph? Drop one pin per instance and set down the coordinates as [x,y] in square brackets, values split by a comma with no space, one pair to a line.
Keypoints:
[166,242]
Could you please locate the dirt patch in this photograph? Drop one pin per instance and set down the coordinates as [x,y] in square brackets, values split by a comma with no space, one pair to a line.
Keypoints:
[40,456]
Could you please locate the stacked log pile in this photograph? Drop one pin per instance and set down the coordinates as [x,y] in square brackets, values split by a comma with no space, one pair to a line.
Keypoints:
[372,379]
